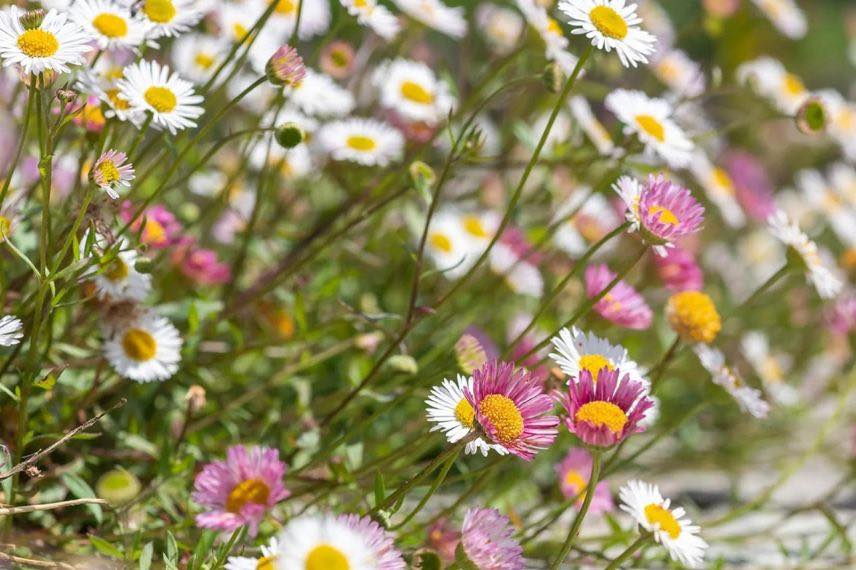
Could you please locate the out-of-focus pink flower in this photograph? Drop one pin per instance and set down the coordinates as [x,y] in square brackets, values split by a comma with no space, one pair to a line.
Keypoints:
[200,264]
[337,59]
[721,8]
[444,539]
[679,271]
[622,305]
[574,472]
[487,538]
[415,131]
[160,228]
[751,184]
[91,118]
[841,316]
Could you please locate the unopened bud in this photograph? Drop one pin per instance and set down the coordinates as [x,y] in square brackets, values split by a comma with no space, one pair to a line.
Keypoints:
[404,363]
[118,486]
[811,117]
[553,77]
[285,67]
[290,135]
[195,398]
[32,19]
[423,176]
[143,265]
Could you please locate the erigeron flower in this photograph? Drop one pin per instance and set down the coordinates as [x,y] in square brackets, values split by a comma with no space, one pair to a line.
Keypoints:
[611,25]
[769,78]
[574,473]
[319,95]
[650,119]
[364,141]
[748,399]
[240,489]
[487,540]
[693,316]
[510,409]
[448,408]
[576,351]
[752,185]
[500,26]
[786,15]
[474,349]
[718,187]
[824,197]
[111,170]
[770,367]
[683,76]
[11,330]
[551,33]
[54,44]
[622,305]
[514,258]
[156,226]
[605,411]
[329,542]
[593,219]
[314,17]
[669,525]
[841,120]
[804,252]
[679,270]
[118,279]
[337,59]
[147,349]
[169,18]
[110,23]
[436,15]
[375,16]
[661,210]
[285,67]
[150,87]
[267,560]
[413,91]
[593,128]
[196,56]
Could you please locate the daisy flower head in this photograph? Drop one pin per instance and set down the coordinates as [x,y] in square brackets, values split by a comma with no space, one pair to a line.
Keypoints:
[500,26]
[650,119]
[267,561]
[378,18]
[551,33]
[679,270]
[669,525]
[319,95]
[118,280]
[285,67]
[436,15]
[804,254]
[719,188]
[329,542]
[752,185]
[748,399]
[574,473]
[147,349]
[11,330]
[769,78]
[682,76]
[576,351]
[314,16]
[413,91]
[611,25]
[693,316]
[365,141]
[110,171]
[451,412]
[110,23]
[622,305]
[240,489]
[511,410]
[48,42]
[487,540]
[148,86]
[785,15]
[591,126]
[169,18]
[196,56]
[604,412]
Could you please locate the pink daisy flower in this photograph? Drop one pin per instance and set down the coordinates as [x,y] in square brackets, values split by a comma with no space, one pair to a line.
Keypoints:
[574,472]
[622,305]
[841,317]
[660,209]
[679,271]
[751,184]
[241,489]
[487,541]
[444,539]
[200,264]
[112,170]
[511,409]
[157,226]
[604,413]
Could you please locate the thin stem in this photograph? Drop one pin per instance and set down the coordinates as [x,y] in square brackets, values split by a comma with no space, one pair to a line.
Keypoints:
[581,514]
[656,373]
[629,551]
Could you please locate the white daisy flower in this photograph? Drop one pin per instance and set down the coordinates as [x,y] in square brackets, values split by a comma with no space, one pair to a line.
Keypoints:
[576,351]
[110,171]
[314,17]
[611,25]
[670,526]
[448,408]
[822,195]
[436,15]
[521,276]
[551,33]
[843,179]
[822,277]
[748,399]
[770,367]
[412,90]
[147,349]
[591,126]
[319,95]
[169,18]
[719,188]
[683,76]
[449,245]
[196,56]
[500,26]
[267,561]
[148,86]
[364,141]
[769,78]
[110,23]
[841,121]
[594,218]
[11,330]
[378,18]
[118,280]
[650,119]
[54,44]
[786,15]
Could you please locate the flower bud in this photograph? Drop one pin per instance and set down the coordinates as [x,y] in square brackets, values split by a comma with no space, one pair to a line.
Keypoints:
[118,486]
[811,117]
[285,67]
[553,77]
[289,135]
[423,176]
[32,19]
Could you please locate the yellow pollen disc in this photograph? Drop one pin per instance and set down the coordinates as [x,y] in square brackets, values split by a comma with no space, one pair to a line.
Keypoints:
[793,84]
[614,304]
[441,242]
[109,173]
[575,480]
[5,227]
[593,363]
[285,7]
[474,227]
[339,57]
[159,11]
[161,98]
[465,413]
[503,415]
[110,25]
[266,563]
[723,180]
[664,518]
[139,345]
[651,126]
[154,232]
[249,491]
[361,143]
[38,43]
[326,557]
[92,114]
[414,92]
[608,22]
[240,31]
[204,60]
[666,215]
[117,271]
[117,100]
[600,413]
[553,26]
[693,316]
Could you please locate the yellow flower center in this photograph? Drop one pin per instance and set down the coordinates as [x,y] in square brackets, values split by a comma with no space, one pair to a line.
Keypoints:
[608,22]
[723,180]
[285,7]
[474,226]
[412,91]
[553,26]
[441,242]
[204,60]
[326,557]
[575,480]
[651,126]
[92,115]
[240,30]
[109,173]
[361,143]
[154,232]
[503,415]
[110,25]
[693,316]
[266,563]
[664,518]
[793,84]
[117,271]
[38,43]
[117,100]
[612,303]
[159,11]
[593,363]
[249,491]
[139,345]
[666,215]
[465,413]
[5,227]
[162,99]
[600,413]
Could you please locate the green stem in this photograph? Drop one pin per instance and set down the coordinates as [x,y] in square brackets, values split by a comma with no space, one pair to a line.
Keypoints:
[578,520]
[629,551]
[657,371]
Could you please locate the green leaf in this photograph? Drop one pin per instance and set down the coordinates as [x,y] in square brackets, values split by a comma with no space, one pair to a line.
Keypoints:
[427,561]
[81,489]
[105,547]
[379,488]
[146,556]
